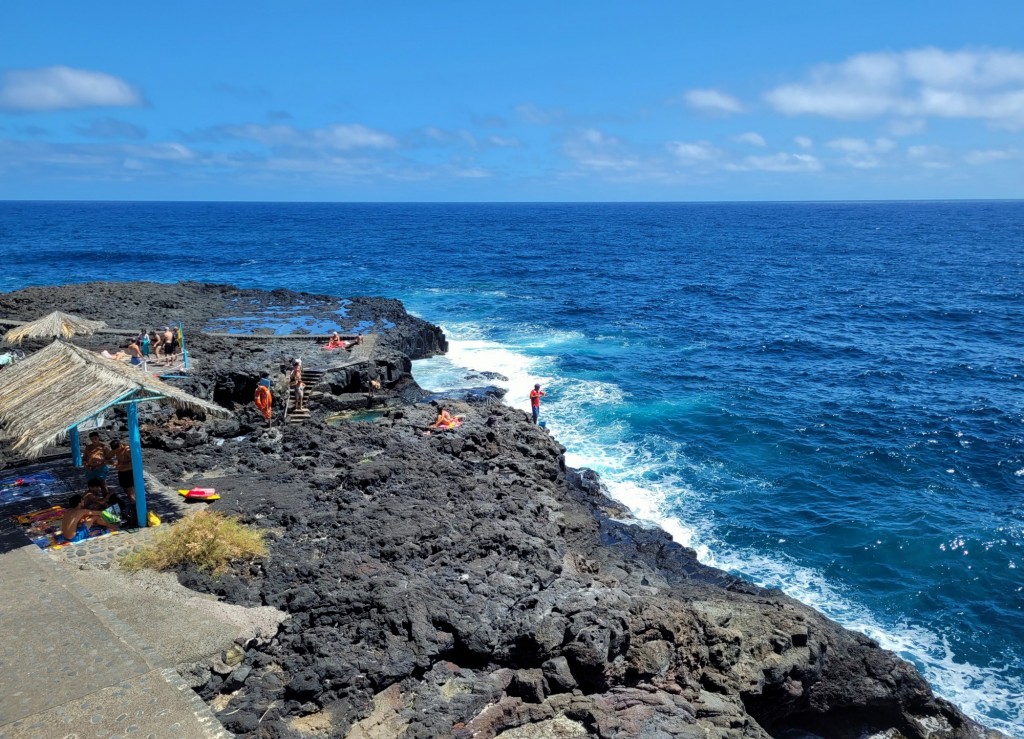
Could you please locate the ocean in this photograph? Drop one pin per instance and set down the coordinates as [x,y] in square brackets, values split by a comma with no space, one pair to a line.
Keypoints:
[827,398]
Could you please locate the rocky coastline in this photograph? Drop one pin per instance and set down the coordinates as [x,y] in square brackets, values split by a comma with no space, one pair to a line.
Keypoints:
[465,584]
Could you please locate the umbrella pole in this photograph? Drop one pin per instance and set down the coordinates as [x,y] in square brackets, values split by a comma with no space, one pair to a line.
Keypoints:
[76,446]
[135,445]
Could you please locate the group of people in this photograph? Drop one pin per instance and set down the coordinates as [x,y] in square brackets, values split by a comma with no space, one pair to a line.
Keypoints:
[264,395]
[336,342]
[86,510]
[162,345]
[264,398]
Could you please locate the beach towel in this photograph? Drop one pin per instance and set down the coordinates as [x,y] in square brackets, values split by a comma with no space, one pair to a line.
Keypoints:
[45,531]
[44,514]
[33,485]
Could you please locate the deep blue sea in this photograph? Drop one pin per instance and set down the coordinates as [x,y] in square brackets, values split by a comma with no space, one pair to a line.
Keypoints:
[827,398]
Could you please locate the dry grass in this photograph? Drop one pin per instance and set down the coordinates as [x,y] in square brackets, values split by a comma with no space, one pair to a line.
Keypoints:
[209,540]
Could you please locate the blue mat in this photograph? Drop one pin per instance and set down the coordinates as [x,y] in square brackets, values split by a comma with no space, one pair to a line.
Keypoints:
[34,485]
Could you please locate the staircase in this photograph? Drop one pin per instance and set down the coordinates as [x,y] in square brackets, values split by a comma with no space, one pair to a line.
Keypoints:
[311,378]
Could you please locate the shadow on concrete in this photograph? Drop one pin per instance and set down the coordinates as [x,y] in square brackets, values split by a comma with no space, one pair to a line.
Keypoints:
[43,484]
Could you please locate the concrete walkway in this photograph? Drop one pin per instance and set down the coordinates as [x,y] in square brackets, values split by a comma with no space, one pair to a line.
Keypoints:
[71,667]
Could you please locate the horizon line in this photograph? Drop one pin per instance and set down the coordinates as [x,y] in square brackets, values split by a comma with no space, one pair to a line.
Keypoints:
[521,202]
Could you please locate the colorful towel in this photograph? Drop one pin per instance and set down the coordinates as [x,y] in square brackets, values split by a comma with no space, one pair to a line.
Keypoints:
[43,528]
[44,514]
[57,540]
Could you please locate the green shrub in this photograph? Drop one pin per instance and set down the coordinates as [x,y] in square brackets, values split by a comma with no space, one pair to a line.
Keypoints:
[209,540]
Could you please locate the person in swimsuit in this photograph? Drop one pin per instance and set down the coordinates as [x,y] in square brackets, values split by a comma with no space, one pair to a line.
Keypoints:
[96,457]
[170,345]
[123,465]
[135,352]
[126,480]
[77,520]
[445,421]
[297,385]
[97,497]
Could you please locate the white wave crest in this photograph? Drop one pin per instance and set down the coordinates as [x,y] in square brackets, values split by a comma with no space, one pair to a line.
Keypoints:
[640,477]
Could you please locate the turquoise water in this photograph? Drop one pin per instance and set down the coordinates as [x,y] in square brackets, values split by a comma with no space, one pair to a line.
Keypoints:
[825,398]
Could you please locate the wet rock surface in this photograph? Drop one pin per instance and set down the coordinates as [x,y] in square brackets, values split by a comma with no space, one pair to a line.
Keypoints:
[467,584]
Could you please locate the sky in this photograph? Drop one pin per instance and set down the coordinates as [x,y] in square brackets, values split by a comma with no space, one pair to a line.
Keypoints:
[527,101]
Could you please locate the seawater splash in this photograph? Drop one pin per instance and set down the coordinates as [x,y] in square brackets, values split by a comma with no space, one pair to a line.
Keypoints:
[586,417]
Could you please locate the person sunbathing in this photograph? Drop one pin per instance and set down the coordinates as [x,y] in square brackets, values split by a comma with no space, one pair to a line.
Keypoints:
[445,421]
[335,342]
[78,519]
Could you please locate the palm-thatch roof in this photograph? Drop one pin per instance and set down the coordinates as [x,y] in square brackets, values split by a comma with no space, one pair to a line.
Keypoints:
[56,325]
[62,385]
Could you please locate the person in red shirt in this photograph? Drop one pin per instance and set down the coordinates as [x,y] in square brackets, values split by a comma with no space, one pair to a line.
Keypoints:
[535,395]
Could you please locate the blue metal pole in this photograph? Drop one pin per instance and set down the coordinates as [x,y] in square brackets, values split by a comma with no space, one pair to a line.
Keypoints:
[181,340]
[135,445]
[76,446]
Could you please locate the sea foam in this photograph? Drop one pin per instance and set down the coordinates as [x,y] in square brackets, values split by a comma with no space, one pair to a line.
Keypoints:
[582,415]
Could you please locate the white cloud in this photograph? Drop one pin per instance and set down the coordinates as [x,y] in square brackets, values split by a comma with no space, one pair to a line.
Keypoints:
[781,162]
[908,126]
[752,138]
[64,88]
[712,101]
[169,151]
[988,156]
[353,136]
[691,153]
[110,128]
[860,146]
[928,155]
[803,142]
[338,137]
[593,149]
[471,173]
[533,114]
[863,161]
[503,142]
[921,83]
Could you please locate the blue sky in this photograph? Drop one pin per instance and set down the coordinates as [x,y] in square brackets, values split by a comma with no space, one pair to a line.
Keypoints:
[404,101]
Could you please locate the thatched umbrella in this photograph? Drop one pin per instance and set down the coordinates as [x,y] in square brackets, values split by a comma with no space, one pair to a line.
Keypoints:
[56,325]
[44,397]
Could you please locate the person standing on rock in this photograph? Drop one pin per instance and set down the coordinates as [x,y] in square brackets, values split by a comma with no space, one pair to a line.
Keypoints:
[264,397]
[170,345]
[535,395]
[297,385]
